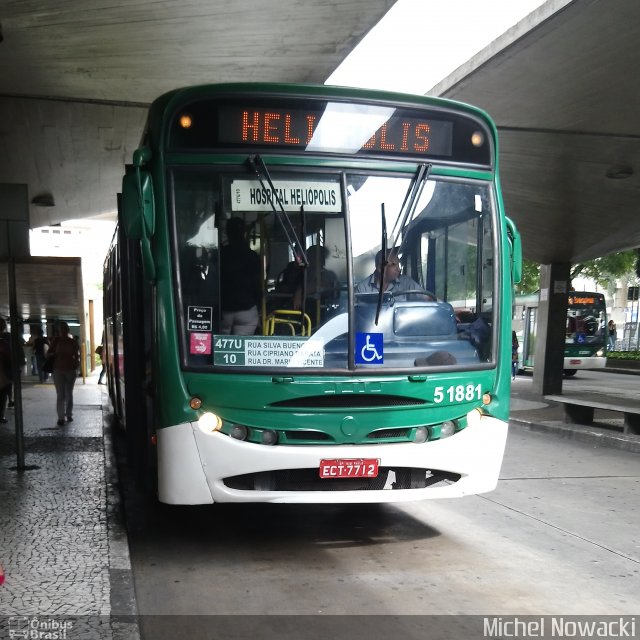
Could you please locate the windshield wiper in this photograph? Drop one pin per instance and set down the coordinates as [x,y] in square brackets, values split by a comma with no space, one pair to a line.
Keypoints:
[303,299]
[411,199]
[410,202]
[257,165]
[383,263]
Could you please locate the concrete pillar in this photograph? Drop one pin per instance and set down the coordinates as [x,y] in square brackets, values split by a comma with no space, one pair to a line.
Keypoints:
[14,243]
[551,328]
[14,220]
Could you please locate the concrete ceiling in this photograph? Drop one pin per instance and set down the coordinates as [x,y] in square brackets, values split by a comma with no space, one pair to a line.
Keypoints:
[40,298]
[76,77]
[563,88]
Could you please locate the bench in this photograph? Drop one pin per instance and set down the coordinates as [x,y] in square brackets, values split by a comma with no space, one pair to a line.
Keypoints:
[580,410]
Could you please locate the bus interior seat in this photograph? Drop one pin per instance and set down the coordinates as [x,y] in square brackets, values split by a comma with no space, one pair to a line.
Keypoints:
[294,322]
[428,319]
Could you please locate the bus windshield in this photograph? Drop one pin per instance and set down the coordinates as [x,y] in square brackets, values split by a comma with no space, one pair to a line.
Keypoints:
[308,285]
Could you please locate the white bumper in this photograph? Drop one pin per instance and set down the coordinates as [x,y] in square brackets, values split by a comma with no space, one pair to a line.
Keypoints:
[585,362]
[192,465]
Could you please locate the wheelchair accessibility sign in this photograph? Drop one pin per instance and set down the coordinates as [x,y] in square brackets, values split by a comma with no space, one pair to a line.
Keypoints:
[369,348]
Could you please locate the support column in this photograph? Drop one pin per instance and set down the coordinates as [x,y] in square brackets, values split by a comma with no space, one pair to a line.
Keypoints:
[14,243]
[551,328]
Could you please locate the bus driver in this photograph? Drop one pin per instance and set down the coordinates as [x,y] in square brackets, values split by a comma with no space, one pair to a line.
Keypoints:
[393,282]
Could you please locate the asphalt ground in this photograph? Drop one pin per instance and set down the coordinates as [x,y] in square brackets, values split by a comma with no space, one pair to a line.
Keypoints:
[63,542]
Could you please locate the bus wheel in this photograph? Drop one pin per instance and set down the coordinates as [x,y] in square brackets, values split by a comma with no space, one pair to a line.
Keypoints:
[569,373]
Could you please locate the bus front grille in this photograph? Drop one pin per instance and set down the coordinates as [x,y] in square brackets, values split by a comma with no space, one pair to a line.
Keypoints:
[388,434]
[348,401]
[309,480]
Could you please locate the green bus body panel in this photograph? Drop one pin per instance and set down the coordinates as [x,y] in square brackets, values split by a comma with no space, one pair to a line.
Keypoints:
[229,391]
[228,397]
[581,350]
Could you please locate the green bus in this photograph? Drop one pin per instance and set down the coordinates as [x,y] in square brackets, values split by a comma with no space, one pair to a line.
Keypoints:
[308,297]
[586,333]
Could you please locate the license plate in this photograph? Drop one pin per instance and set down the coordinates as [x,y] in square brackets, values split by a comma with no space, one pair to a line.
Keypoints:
[349,468]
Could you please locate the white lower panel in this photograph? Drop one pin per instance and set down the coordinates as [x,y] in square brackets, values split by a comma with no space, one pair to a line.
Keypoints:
[181,478]
[192,465]
[582,362]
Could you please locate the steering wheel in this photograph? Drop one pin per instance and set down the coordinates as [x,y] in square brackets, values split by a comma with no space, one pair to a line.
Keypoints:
[417,292]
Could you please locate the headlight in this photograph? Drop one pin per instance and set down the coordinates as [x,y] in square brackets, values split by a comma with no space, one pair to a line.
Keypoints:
[209,422]
[473,417]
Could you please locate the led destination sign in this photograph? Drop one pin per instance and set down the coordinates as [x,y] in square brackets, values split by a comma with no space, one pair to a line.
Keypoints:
[303,125]
[588,300]
[344,131]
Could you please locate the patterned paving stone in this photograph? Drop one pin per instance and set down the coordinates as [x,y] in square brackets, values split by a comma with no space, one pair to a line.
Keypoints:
[55,542]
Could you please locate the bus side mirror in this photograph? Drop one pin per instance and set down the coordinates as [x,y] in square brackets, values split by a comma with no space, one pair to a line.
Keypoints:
[138,213]
[515,245]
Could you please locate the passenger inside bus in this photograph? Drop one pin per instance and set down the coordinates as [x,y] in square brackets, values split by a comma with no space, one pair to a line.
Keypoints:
[316,285]
[321,284]
[240,282]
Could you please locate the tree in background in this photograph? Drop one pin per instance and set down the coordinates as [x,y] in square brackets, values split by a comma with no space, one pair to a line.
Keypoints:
[604,271]
[530,281]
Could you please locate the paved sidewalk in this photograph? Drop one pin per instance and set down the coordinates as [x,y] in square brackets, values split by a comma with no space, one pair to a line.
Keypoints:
[62,543]
[533,411]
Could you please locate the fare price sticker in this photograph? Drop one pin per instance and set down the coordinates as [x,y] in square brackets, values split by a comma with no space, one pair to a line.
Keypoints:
[200,318]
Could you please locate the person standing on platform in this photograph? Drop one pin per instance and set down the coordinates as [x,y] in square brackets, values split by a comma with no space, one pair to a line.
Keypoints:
[612,335]
[99,352]
[40,346]
[65,352]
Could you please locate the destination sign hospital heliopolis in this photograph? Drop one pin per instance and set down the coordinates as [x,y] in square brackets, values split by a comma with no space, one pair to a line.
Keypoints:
[314,196]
